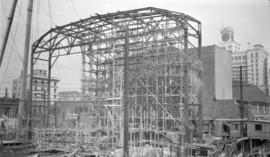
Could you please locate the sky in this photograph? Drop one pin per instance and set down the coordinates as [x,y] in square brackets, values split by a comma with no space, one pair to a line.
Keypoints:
[250,20]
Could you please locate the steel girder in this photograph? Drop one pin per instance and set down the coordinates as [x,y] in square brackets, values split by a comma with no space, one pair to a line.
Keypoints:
[98,29]
[162,44]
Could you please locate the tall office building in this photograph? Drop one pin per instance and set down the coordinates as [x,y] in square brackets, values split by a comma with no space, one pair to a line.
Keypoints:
[257,62]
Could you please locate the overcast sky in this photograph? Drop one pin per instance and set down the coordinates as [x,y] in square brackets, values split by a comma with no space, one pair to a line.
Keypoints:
[249,18]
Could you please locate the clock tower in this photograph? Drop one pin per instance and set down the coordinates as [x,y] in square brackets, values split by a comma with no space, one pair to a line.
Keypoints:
[227,34]
[228,43]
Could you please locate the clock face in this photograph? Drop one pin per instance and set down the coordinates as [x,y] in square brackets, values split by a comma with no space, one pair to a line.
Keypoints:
[225,37]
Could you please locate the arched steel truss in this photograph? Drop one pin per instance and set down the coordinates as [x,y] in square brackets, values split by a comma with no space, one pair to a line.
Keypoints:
[164,67]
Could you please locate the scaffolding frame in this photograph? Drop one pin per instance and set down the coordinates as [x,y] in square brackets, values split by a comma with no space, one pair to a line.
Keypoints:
[163,77]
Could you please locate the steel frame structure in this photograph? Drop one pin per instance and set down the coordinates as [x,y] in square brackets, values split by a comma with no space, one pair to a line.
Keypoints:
[163,77]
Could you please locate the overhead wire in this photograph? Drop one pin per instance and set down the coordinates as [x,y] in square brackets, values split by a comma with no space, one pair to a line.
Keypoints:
[11,33]
[3,7]
[40,8]
[13,37]
[35,26]
[11,49]
[74,61]
[37,23]
[13,59]
[50,13]
[47,13]
[77,15]
[17,52]
[37,14]
[74,8]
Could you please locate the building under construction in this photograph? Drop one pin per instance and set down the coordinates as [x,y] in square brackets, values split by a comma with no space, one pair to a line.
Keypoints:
[140,83]
[141,93]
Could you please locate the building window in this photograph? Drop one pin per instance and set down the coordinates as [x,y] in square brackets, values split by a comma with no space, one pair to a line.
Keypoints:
[236,126]
[258,127]
[54,90]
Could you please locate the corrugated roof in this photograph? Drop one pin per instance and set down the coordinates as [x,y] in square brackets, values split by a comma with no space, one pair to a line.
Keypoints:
[251,93]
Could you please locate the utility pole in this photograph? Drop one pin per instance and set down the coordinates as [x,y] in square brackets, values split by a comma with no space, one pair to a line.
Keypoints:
[241,108]
[200,125]
[45,105]
[49,89]
[6,35]
[30,98]
[126,102]
[266,76]
[186,98]
[6,92]
[241,101]
[24,71]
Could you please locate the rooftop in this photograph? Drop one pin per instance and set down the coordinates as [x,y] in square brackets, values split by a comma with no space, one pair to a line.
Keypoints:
[251,93]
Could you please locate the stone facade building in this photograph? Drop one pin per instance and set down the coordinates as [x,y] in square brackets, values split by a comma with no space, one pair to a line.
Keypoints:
[40,85]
